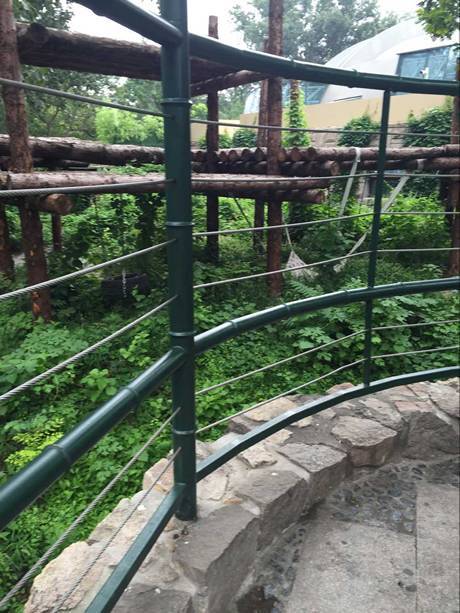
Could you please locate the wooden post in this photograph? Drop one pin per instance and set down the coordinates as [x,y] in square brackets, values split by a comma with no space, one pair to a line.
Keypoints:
[6,258]
[212,145]
[21,159]
[56,227]
[454,192]
[275,118]
[261,141]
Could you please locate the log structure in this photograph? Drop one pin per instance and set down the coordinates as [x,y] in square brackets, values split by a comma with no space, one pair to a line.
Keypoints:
[311,161]
[212,146]
[21,161]
[274,118]
[261,141]
[244,185]
[48,47]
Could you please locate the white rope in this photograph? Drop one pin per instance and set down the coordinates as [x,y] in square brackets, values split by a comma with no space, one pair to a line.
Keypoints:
[82,271]
[349,185]
[50,551]
[78,356]
[294,389]
[394,194]
[110,540]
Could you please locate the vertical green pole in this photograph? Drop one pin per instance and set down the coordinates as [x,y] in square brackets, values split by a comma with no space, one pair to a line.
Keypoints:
[374,244]
[176,104]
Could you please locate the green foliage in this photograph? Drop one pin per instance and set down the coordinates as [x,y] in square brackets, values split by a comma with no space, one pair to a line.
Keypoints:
[114,126]
[244,137]
[363,123]
[296,118]
[439,17]
[199,110]
[314,31]
[225,141]
[41,415]
[437,120]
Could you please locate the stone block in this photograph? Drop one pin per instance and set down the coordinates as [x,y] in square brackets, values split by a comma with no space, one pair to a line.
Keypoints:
[165,482]
[326,466]
[368,443]
[272,409]
[281,498]
[383,412]
[446,399]
[218,553]
[141,598]
[59,575]
[258,456]
[430,430]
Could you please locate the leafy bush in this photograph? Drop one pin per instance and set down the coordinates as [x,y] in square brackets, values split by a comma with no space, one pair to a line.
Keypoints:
[114,126]
[296,118]
[225,141]
[244,137]
[437,120]
[363,123]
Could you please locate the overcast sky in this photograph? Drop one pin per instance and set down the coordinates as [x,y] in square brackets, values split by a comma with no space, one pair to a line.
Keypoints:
[199,10]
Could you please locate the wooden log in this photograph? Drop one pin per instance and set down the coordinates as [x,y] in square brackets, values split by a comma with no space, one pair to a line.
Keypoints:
[232,79]
[274,118]
[58,148]
[21,160]
[217,183]
[56,229]
[443,163]
[58,204]
[340,154]
[6,257]
[212,145]
[48,47]
[453,196]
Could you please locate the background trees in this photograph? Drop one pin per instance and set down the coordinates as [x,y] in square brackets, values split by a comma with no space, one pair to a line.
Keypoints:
[314,31]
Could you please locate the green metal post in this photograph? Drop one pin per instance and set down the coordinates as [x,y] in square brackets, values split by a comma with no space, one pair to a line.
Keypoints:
[374,244]
[176,103]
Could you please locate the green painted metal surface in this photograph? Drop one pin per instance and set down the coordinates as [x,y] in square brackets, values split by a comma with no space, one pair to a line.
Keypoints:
[374,242]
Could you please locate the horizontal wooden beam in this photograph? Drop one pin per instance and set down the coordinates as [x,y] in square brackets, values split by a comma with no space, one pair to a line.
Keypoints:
[51,48]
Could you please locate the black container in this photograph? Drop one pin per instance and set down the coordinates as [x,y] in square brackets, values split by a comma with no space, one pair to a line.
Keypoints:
[113,290]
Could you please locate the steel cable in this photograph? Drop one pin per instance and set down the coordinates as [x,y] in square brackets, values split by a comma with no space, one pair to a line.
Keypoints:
[272,365]
[61,94]
[276,272]
[82,271]
[81,354]
[110,540]
[294,389]
[50,551]
[108,188]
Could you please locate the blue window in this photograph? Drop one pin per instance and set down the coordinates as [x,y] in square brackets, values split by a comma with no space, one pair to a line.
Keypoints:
[436,63]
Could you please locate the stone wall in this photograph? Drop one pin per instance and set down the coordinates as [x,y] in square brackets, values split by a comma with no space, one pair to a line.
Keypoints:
[248,504]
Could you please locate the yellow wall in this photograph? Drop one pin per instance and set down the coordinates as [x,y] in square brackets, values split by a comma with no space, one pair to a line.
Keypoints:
[337,114]
[197,130]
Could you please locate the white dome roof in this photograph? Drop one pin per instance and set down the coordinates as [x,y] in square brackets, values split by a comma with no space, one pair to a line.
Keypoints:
[379,54]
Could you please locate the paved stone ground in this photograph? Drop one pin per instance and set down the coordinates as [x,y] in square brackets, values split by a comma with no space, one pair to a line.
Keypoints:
[379,506]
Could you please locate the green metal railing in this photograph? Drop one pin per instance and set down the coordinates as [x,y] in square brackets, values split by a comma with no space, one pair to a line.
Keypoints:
[178,363]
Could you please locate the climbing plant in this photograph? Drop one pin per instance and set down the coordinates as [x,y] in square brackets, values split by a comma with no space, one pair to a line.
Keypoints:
[365,122]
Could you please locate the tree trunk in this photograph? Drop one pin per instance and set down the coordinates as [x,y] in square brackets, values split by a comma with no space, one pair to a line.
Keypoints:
[261,141]
[454,192]
[275,118]
[21,160]
[6,258]
[212,146]
[56,227]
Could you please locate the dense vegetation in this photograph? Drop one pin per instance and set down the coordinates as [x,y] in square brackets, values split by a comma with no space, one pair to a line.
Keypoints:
[98,230]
